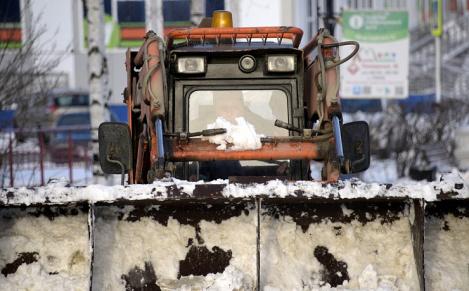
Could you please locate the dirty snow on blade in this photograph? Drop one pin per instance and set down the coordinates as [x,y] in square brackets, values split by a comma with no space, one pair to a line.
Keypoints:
[450,185]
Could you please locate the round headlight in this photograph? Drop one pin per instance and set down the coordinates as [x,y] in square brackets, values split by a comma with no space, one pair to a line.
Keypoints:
[247,64]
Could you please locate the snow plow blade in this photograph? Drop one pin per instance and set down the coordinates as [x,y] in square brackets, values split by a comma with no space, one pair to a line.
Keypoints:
[446,244]
[276,235]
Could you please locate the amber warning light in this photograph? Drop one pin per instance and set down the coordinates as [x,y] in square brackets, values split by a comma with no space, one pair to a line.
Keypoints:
[221,19]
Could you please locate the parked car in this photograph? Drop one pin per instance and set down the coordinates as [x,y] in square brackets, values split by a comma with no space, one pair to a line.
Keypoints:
[71,138]
[66,101]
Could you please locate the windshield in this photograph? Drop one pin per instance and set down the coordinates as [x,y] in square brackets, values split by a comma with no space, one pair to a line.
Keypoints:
[258,107]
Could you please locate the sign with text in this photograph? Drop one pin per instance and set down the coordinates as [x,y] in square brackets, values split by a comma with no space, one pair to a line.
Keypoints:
[381,67]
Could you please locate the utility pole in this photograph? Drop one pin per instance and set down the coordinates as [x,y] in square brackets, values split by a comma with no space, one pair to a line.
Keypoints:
[437,31]
[197,11]
[329,18]
[98,79]
[154,16]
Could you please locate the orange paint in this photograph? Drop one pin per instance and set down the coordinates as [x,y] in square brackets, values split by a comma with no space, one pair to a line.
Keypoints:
[292,33]
[199,150]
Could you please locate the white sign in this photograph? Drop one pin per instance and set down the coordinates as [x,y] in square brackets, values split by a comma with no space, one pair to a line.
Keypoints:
[381,67]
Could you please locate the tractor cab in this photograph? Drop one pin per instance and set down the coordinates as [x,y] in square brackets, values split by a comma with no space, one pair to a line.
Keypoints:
[177,88]
[251,75]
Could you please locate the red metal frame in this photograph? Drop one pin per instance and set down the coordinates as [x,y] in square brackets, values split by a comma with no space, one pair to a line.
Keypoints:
[202,34]
[199,150]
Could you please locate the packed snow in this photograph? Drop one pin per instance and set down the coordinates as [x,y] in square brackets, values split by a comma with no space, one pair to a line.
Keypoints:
[376,255]
[121,245]
[453,184]
[239,136]
[60,247]
[447,253]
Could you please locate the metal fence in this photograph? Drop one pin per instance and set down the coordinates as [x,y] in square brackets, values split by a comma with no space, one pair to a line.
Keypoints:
[32,157]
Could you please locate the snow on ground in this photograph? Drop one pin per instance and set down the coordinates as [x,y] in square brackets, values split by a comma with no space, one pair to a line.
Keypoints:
[239,136]
[26,176]
[381,171]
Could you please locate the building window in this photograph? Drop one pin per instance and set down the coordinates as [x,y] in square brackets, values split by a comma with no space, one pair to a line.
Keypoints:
[176,11]
[212,5]
[131,11]
[10,23]
[10,11]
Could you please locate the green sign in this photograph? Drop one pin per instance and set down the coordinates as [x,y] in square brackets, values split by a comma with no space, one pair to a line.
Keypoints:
[373,26]
[437,29]
[381,67]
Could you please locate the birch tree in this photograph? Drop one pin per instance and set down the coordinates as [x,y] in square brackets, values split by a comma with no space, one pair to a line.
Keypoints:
[154,16]
[98,78]
[197,11]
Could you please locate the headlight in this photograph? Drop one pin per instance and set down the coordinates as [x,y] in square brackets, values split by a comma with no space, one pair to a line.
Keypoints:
[247,64]
[191,65]
[281,64]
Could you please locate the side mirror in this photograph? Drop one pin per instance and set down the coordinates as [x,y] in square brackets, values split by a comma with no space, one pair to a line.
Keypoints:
[356,145]
[115,147]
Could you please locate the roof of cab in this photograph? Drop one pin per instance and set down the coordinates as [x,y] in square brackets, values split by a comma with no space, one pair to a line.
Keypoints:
[244,36]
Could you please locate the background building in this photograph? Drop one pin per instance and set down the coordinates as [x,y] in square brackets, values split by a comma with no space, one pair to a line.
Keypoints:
[65,30]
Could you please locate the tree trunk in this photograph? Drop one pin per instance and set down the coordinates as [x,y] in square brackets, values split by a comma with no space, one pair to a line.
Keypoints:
[98,78]
[197,11]
[154,16]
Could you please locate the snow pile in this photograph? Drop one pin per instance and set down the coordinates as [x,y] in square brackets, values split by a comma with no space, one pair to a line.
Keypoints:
[452,183]
[58,192]
[239,136]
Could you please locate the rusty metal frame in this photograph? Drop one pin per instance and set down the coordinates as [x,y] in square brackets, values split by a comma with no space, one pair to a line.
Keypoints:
[200,150]
[248,33]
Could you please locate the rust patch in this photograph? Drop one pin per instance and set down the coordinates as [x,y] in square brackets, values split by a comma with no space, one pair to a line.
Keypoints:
[439,209]
[334,272]
[141,280]
[51,212]
[190,213]
[209,190]
[307,213]
[200,261]
[22,258]
[446,195]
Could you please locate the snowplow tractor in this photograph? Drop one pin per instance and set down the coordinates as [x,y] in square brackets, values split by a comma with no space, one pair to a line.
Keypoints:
[215,160]
[218,102]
